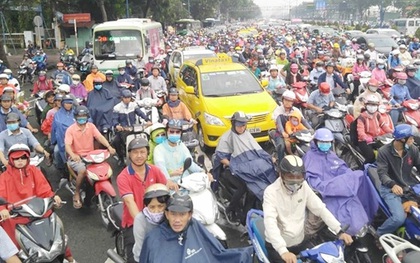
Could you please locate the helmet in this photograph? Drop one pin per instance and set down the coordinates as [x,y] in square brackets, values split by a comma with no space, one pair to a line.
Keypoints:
[138,143]
[410,68]
[402,46]
[7,71]
[372,99]
[238,48]
[359,57]
[240,116]
[13,116]
[144,82]
[94,67]
[324,87]
[273,67]
[126,93]
[109,72]
[380,61]
[330,64]
[58,97]
[97,81]
[156,190]
[64,88]
[366,56]
[42,73]
[395,52]
[180,203]
[173,91]
[5,97]
[371,45]
[336,45]
[320,63]
[402,131]
[174,124]
[121,66]
[289,95]
[75,77]
[291,164]
[128,62]
[154,127]
[353,39]
[17,150]
[81,110]
[401,75]
[67,98]
[324,135]
[155,66]
[60,64]
[4,76]
[373,82]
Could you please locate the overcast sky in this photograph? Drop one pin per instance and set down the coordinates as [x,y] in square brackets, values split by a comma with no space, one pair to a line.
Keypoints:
[278,2]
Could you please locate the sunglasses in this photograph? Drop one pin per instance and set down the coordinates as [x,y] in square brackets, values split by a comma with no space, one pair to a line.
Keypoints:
[175,132]
[21,158]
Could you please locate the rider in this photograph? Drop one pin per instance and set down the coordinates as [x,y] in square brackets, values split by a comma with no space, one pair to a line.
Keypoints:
[155,198]
[130,69]
[370,124]
[343,190]
[12,80]
[145,91]
[275,82]
[358,67]
[123,76]
[20,181]
[250,165]
[15,134]
[8,250]
[77,89]
[319,100]
[49,99]
[112,85]
[64,90]
[94,74]
[4,82]
[378,72]
[49,117]
[175,108]
[60,75]
[395,162]
[360,100]
[132,183]
[170,155]
[405,56]
[399,93]
[157,134]
[332,78]
[79,140]
[157,82]
[124,117]
[293,125]
[42,84]
[100,103]
[285,205]
[316,72]
[293,75]
[413,83]
[6,108]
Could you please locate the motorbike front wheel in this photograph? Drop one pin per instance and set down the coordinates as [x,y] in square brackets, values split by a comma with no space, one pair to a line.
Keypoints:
[106,200]
[119,245]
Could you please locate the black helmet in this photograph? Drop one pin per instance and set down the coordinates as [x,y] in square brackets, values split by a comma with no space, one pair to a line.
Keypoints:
[239,116]
[138,143]
[410,68]
[174,124]
[180,203]
[292,164]
[81,110]
[173,90]
[144,82]
[128,62]
[67,98]
[366,56]
[12,116]
[330,64]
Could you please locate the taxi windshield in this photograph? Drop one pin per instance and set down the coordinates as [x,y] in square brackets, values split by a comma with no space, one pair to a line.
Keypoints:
[229,83]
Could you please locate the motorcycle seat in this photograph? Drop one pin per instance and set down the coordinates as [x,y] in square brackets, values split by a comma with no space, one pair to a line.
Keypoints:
[411,257]
[116,213]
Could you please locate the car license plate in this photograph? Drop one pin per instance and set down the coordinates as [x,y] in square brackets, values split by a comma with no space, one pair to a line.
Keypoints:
[254,130]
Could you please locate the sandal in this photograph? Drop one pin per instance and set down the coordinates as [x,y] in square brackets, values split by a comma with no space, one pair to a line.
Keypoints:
[77,204]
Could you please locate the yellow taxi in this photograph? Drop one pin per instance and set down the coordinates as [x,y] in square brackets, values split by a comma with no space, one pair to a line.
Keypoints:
[214,88]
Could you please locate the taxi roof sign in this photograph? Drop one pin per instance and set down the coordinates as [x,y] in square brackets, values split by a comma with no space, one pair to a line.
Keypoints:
[218,59]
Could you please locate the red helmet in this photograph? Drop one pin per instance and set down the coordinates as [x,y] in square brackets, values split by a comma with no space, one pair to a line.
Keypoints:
[401,75]
[324,87]
[373,82]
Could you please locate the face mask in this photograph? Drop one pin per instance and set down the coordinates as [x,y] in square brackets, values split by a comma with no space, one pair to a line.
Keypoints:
[41,78]
[174,138]
[319,69]
[13,126]
[402,81]
[295,122]
[122,72]
[160,139]
[81,120]
[371,108]
[293,187]
[373,88]
[381,66]
[324,146]
[98,87]
[154,218]
[76,82]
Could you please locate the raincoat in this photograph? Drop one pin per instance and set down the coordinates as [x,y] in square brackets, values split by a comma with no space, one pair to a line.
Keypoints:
[101,105]
[62,120]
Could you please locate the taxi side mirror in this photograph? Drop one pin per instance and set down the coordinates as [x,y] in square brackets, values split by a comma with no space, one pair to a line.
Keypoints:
[189,90]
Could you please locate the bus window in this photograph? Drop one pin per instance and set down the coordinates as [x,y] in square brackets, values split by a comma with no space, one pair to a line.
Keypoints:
[400,23]
[418,22]
[117,44]
[411,23]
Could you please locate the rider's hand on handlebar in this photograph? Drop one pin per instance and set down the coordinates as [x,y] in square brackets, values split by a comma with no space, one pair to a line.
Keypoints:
[177,172]
[4,214]
[289,257]
[57,201]
[348,240]
[149,123]
[397,190]
[119,128]
[172,186]
[285,135]
[75,158]
[111,150]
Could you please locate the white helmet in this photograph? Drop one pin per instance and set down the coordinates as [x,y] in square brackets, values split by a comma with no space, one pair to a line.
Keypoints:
[64,88]
[395,52]
[274,67]
[154,127]
[19,147]
[402,46]
[372,99]
[3,76]
[380,61]
[288,94]
[7,71]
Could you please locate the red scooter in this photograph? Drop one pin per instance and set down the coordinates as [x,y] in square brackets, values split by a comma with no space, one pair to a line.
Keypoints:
[98,185]
[385,89]
[412,113]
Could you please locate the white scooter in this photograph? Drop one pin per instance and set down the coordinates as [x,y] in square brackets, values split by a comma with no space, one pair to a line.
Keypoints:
[149,107]
[398,250]
[206,211]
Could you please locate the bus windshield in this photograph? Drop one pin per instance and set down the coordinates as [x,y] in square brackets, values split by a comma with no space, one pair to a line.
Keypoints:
[400,23]
[181,25]
[117,44]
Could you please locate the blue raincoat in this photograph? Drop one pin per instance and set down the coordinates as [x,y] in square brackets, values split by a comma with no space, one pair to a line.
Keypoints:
[101,105]
[345,192]
[247,160]
[62,120]
[196,245]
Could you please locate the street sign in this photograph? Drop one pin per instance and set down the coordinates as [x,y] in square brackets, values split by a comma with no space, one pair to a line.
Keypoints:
[37,21]
[80,17]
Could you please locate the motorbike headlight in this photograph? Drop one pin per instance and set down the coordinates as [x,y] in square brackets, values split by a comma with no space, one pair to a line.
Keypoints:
[92,176]
[213,120]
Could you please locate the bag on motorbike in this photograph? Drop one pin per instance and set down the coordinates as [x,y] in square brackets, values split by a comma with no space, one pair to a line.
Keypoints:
[353,132]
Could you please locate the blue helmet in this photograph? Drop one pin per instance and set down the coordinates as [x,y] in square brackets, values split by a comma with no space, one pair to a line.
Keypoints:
[402,131]
[175,124]
[324,135]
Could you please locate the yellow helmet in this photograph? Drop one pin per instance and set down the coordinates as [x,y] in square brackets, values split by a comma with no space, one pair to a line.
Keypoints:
[336,45]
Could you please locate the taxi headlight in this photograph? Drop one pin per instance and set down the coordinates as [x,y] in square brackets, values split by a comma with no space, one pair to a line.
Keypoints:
[213,120]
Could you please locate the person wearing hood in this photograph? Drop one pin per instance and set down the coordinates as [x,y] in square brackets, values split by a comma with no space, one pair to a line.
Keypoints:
[175,108]
[372,88]
[6,108]
[413,83]
[378,72]
[94,74]
[21,181]
[157,134]
[293,125]
[112,85]
[77,89]
[101,104]
[345,192]
[123,76]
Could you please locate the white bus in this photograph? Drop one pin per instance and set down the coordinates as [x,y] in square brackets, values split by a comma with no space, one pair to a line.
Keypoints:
[116,41]
[407,26]
[185,26]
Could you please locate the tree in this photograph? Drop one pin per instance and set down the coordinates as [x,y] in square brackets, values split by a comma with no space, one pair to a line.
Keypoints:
[3,55]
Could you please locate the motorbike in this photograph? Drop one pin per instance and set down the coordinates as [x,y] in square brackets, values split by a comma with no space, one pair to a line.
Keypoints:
[412,114]
[25,74]
[149,107]
[302,95]
[115,212]
[189,138]
[97,185]
[197,186]
[333,121]
[385,89]
[84,69]
[40,105]
[302,144]
[42,238]
[398,250]
[41,64]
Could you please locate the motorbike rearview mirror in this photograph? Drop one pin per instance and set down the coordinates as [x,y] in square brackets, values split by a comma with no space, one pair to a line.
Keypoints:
[187,165]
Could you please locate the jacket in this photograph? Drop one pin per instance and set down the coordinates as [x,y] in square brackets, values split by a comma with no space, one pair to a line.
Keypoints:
[399,94]
[336,78]
[413,85]
[371,126]
[358,69]
[62,120]
[23,120]
[379,75]
[289,128]
[284,214]
[125,115]
[393,169]
[179,111]
[42,86]
[358,104]
[88,82]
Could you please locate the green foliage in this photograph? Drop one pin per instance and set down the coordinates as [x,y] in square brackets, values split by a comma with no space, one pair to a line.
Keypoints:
[417,34]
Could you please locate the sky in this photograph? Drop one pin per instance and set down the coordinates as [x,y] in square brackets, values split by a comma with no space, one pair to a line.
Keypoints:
[278,2]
